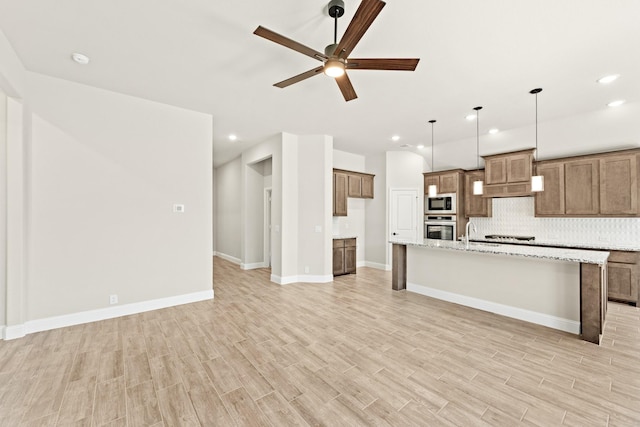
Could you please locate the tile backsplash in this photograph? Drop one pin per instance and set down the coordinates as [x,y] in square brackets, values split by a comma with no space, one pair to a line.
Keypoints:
[515,216]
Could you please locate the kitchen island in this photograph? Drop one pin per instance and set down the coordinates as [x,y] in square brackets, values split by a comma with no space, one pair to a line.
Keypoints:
[561,288]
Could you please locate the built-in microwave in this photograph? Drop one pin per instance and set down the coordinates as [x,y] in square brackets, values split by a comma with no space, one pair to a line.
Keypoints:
[440,204]
[440,227]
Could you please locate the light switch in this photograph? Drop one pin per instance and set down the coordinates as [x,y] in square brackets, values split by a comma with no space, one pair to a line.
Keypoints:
[277,227]
[318,229]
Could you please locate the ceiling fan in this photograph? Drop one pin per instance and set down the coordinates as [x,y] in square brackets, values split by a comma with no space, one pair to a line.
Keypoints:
[335,58]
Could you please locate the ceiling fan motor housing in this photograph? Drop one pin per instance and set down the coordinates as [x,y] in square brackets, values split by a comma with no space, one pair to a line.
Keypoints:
[336,8]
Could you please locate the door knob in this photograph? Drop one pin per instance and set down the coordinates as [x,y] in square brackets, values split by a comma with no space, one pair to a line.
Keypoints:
[394,234]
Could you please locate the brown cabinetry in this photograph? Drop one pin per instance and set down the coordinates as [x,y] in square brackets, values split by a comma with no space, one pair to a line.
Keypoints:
[598,185]
[581,187]
[619,184]
[622,272]
[340,191]
[551,200]
[508,174]
[475,205]
[344,256]
[446,182]
[350,184]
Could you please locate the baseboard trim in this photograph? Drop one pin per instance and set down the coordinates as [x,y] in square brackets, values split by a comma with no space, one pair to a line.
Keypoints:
[228,258]
[377,265]
[55,322]
[304,278]
[252,266]
[554,322]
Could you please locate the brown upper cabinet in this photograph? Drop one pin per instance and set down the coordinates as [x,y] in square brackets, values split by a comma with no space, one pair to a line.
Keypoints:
[446,182]
[597,185]
[508,174]
[619,184]
[475,206]
[350,184]
[340,190]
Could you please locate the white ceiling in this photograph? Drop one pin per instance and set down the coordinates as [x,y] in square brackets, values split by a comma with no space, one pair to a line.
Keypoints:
[202,55]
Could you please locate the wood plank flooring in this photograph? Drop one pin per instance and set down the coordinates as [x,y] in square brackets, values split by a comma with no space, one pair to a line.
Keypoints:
[351,352]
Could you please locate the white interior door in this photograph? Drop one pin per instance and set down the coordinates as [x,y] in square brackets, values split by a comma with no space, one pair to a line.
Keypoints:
[403,214]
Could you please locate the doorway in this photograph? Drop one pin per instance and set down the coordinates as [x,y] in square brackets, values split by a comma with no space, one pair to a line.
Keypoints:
[267,227]
[403,214]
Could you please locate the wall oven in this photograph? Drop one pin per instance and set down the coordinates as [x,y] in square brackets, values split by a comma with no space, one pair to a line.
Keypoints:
[440,227]
[440,204]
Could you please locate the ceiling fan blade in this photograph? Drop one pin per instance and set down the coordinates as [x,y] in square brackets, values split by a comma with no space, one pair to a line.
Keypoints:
[287,42]
[364,16]
[346,87]
[397,64]
[299,77]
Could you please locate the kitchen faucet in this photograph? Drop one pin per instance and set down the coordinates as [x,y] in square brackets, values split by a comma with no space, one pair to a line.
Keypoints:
[466,237]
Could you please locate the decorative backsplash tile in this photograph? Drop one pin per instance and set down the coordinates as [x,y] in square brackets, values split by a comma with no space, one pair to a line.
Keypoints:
[515,216]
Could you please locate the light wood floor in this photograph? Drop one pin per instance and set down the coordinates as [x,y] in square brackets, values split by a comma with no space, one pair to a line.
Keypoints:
[351,352]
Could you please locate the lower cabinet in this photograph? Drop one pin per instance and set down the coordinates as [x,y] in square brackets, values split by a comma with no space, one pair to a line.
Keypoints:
[344,256]
[622,273]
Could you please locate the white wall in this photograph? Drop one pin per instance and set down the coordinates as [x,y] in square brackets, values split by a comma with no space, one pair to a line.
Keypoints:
[376,215]
[228,190]
[315,189]
[105,170]
[352,225]
[3,207]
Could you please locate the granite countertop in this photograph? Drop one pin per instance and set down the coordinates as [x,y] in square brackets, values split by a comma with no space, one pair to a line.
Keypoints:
[346,236]
[559,254]
[598,246]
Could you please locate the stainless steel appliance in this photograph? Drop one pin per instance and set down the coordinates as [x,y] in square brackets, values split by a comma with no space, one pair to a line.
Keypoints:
[440,204]
[440,227]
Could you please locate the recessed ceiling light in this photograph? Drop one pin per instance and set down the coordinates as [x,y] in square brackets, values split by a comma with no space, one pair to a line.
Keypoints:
[395,138]
[232,137]
[494,131]
[420,147]
[617,103]
[471,117]
[608,79]
[80,58]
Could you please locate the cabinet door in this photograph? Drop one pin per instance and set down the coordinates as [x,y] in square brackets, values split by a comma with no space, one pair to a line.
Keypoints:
[339,194]
[355,185]
[448,183]
[519,168]
[619,185]
[496,171]
[581,195]
[551,200]
[431,180]
[475,206]
[367,187]
[350,257]
[338,261]
[622,282]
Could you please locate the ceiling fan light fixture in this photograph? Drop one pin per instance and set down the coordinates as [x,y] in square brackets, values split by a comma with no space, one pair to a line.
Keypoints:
[334,67]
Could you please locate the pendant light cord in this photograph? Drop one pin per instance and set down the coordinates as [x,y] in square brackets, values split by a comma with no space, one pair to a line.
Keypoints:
[432,122]
[478,136]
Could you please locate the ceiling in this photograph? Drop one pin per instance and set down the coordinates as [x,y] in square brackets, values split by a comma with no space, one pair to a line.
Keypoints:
[202,55]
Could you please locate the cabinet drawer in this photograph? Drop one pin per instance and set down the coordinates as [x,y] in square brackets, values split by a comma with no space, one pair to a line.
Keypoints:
[624,257]
[338,243]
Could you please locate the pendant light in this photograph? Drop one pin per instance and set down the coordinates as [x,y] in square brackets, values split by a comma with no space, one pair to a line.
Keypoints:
[537,181]
[478,185]
[433,189]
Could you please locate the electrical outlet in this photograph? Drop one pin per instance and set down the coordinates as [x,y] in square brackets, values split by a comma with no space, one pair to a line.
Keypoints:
[306,269]
[178,208]
[113,299]
[318,229]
